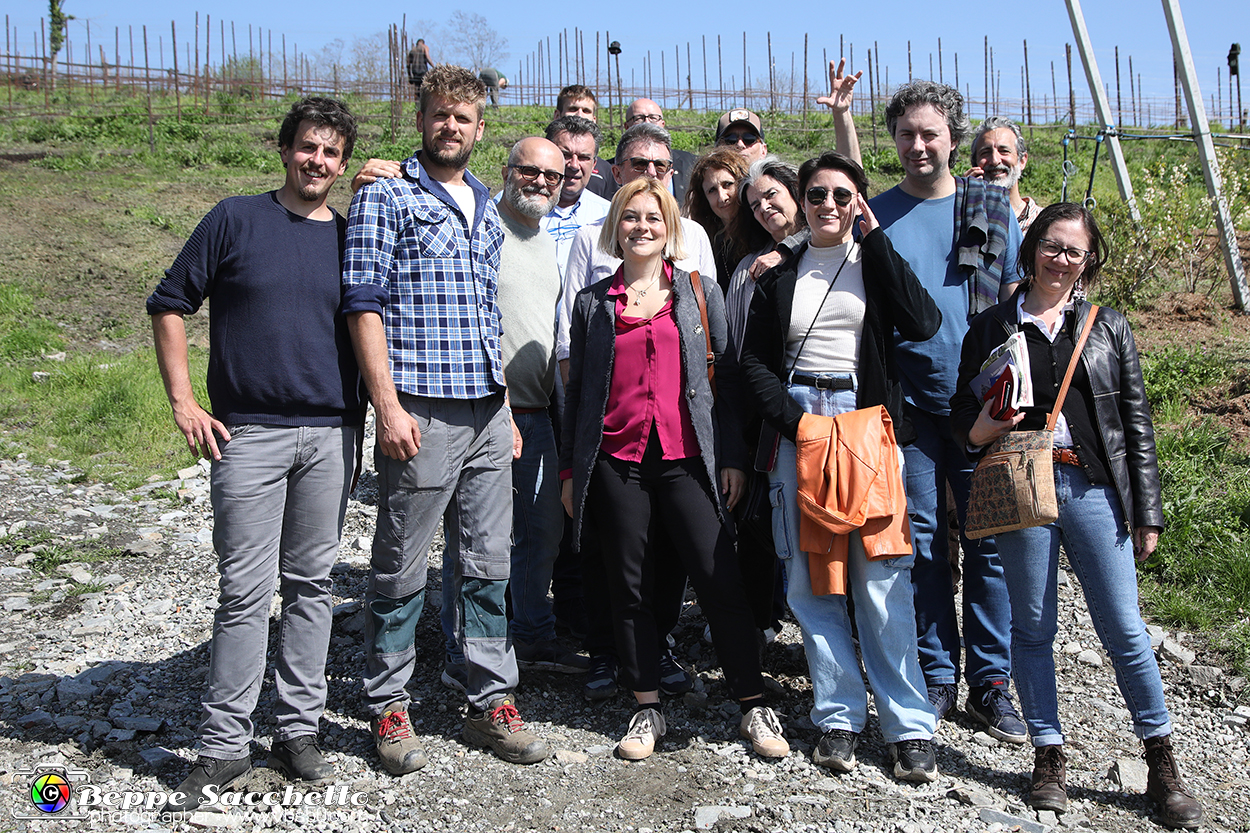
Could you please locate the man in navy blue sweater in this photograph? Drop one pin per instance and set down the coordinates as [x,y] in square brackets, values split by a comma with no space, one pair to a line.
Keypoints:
[283,434]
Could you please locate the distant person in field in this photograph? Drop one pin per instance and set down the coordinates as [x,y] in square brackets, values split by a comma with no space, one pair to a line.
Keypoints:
[284,437]
[999,155]
[419,61]
[494,81]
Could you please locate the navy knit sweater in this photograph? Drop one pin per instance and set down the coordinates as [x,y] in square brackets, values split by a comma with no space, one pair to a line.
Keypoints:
[279,353]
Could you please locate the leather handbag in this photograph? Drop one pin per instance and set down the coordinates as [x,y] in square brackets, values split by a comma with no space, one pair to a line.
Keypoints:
[1013,486]
[701,300]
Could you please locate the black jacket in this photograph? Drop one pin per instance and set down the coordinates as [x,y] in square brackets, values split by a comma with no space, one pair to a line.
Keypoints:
[1121,412]
[895,299]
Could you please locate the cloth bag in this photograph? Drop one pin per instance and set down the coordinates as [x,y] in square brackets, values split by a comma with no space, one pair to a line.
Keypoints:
[1013,486]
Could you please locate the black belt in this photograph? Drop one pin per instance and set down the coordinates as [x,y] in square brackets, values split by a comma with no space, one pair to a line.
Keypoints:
[824,382]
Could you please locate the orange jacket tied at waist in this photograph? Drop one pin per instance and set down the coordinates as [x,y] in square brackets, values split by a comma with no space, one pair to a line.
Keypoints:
[849,478]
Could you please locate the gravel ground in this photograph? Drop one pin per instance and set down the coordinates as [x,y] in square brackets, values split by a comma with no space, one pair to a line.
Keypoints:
[105,684]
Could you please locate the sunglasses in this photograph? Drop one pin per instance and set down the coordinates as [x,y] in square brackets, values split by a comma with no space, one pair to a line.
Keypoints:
[817,195]
[747,139]
[530,173]
[640,165]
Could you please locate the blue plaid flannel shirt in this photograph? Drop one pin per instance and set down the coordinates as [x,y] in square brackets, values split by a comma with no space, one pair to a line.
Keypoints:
[431,274]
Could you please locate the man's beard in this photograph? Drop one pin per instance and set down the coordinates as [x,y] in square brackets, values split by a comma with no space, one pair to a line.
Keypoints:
[457,160]
[1004,175]
[533,201]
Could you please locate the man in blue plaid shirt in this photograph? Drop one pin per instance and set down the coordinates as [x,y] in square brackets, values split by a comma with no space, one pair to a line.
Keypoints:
[419,274]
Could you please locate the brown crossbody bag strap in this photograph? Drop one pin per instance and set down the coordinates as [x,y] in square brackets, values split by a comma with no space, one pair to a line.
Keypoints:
[699,298]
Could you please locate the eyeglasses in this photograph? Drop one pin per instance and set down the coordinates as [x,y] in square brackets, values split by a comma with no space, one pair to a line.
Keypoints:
[747,139]
[1050,248]
[640,165]
[530,173]
[654,118]
[817,195]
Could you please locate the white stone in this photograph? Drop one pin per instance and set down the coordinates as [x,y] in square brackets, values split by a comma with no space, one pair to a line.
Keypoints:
[705,818]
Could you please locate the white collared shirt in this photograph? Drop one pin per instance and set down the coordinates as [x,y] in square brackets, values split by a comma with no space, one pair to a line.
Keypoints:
[563,223]
[1063,436]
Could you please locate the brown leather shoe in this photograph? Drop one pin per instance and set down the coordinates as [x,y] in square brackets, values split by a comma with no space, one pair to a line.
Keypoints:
[1177,805]
[1049,790]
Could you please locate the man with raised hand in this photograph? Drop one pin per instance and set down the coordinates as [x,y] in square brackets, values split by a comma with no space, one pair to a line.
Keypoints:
[284,436]
[999,155]
[420,277]
[961,238]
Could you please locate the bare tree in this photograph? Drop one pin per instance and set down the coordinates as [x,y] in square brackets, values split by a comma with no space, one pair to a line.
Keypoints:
[471,41]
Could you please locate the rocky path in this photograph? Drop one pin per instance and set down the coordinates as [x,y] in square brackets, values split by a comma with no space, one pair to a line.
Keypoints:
[106,602]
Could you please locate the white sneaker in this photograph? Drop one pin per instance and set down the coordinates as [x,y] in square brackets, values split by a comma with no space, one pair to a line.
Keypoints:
[645,728]
[761,726]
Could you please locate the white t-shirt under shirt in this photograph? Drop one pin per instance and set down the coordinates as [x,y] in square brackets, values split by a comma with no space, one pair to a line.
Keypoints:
[837,324]
[463,195]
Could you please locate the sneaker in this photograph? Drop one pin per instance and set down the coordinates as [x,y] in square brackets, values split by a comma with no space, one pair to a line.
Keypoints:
[991,706]
[761,726]
[673,678]
[1178,807]
[502,729]
[645,728]
[397,747]
[914,760]
[836,750]
[942,697]
[601,678]
[1049,790]
[455,677]
[547,655]
[299,759]
[224,775]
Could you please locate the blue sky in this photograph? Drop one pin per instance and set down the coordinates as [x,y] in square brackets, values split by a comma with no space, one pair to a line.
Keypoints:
[1138,28]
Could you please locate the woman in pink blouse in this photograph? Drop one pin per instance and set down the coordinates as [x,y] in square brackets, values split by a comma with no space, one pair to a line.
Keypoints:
[647,451]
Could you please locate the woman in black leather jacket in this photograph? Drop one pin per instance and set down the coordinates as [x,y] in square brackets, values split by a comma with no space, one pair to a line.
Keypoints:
[1107,489]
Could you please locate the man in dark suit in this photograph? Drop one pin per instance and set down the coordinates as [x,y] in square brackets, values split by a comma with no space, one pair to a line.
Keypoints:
[646,110]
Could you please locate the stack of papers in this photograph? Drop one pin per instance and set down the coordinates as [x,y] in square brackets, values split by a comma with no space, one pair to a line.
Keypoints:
[1006,378]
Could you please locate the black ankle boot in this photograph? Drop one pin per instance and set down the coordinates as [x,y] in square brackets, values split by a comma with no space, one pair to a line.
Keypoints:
[1177,805]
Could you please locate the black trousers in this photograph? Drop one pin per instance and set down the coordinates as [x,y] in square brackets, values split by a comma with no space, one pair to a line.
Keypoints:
[634,503]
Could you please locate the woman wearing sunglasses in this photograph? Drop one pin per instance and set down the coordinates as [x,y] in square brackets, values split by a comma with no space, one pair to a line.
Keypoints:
[1107,490]
[820,340]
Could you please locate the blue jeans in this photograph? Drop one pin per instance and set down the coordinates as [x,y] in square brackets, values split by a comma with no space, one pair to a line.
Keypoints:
[278,495]
[537,524]
[883,614]
[932,460]
[1091,528]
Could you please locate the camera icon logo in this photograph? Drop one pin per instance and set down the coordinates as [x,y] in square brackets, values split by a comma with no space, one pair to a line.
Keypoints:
[51,793]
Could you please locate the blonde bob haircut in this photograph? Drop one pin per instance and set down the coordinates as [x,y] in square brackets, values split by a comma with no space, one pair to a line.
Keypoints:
[674,246]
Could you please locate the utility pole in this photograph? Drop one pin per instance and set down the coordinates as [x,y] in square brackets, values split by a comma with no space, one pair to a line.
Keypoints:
[1206,151]
[1102,106]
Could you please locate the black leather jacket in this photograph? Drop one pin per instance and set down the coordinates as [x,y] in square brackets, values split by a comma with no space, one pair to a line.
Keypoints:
[1122,414]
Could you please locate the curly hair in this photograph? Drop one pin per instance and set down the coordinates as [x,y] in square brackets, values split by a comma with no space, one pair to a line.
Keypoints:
[1051,214]
[998,123]
[747,231]
[323,112]
[455,84]
[697,207]
[946,100]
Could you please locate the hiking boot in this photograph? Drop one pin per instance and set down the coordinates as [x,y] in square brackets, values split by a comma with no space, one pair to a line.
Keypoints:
[914,760]
[991,706]
[761,726]
[600,681]
[836,750]
[1177,805]
[645,728]
[502,729]
[942,697]
[397,747]
[455,677]
[673,678]
[547,655]
[1049,790]
[224,775]
[299,759]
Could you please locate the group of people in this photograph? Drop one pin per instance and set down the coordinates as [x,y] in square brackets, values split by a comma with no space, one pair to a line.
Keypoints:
[673,347]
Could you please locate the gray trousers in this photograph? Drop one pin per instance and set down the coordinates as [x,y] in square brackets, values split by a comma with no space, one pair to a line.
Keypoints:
[278,497]
[463,475]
